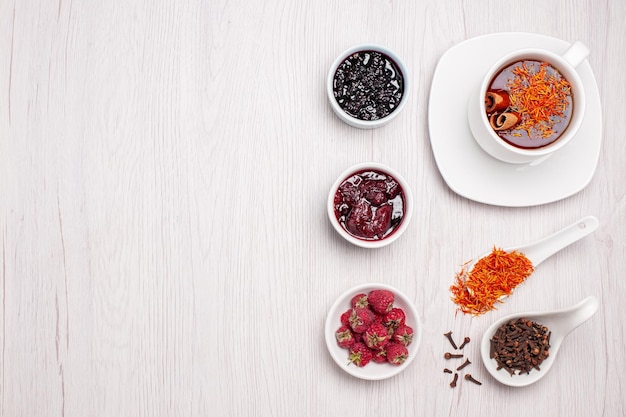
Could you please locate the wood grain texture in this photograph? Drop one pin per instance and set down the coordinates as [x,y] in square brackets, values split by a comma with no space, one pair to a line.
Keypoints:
[164,168]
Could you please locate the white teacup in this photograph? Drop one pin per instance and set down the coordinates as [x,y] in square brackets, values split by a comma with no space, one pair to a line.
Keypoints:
[497,147]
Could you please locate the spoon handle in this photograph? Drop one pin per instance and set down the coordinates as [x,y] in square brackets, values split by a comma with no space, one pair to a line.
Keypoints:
[572,317]
[542,249]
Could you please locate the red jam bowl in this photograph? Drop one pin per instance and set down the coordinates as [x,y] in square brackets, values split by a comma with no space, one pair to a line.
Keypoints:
[370,205]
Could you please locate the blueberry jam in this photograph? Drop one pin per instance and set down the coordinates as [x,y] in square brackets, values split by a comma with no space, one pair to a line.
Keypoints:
[369,205]
[368,85]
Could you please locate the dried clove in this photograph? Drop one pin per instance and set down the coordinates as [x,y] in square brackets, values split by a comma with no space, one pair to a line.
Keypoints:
[520,345]
[466,340]
[449,336]
[469,377]
[464,364]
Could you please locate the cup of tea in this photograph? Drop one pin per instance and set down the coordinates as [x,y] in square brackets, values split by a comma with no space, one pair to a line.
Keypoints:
[529,104]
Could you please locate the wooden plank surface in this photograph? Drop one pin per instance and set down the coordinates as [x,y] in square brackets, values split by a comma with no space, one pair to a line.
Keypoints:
[164,168]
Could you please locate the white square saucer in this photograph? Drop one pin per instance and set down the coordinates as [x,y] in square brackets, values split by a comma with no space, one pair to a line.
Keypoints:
[472,173]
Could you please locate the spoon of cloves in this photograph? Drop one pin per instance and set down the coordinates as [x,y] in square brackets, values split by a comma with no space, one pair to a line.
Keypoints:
[532,254]
[555,324]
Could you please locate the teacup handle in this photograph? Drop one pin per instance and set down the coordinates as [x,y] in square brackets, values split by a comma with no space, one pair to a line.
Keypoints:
[576,54]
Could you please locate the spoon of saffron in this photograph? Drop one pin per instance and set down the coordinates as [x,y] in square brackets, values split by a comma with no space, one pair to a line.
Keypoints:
[559,324]
[514,265]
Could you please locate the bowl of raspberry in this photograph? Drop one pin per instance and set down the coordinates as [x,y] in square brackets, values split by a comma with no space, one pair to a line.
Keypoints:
[370,205]
[373,331]
[367,86]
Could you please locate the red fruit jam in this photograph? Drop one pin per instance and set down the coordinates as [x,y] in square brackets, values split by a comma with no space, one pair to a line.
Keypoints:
[370,205]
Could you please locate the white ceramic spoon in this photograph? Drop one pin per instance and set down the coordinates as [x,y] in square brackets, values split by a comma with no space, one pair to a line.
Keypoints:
[542,249]
[559,322]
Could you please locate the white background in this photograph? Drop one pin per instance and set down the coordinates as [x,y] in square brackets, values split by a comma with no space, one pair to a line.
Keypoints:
[164,168]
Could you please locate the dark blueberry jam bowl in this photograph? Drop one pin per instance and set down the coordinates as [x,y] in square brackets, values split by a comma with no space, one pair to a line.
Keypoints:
[367,86]
[370,205]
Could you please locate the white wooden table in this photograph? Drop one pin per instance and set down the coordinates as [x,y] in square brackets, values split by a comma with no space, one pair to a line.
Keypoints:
[166,251]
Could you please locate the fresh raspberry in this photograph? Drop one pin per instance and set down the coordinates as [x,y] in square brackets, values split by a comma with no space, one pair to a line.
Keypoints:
[345,317]
[403,335]
[376,336]
[381,301]
[359,300]
[397,353]
[394,318]
[373,330]
[344,337]
[361,319]
[379,356]
[360,355]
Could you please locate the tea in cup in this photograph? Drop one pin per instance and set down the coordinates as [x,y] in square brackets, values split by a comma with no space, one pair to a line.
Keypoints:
[530,103]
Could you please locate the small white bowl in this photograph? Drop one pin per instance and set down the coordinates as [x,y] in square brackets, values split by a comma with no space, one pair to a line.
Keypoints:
[407,208]
[373,370]
[353,121]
